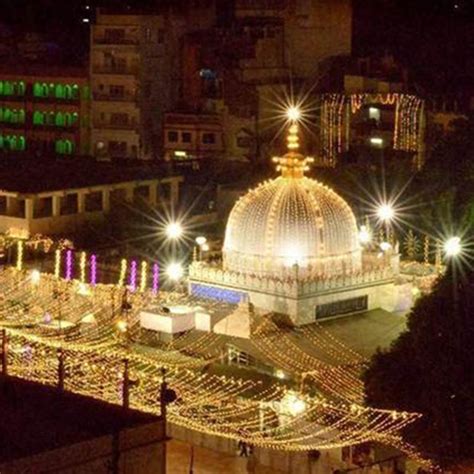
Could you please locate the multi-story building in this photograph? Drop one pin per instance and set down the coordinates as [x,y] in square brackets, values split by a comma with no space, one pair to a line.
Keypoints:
[371,116]
[135,78]
[239,70]
[193,136]
[313,31]
[62,197]
[44,110]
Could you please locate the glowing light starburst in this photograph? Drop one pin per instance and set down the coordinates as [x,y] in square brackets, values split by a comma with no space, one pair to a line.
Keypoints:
[293,113]
[452,246]
[386,212]
[174,230]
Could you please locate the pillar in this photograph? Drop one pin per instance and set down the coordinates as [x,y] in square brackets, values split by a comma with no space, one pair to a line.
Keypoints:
[174,193]
[129,193]
[12,206]
[29,207]
[152,195]
[81,202]
[106,200]
[56,206]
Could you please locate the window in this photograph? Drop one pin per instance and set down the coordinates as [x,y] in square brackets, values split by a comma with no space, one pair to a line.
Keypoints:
[12,142]
[116,91]
[173,137]
[21,88]
[148,35]
[50,118]
[243,142]
[74,92]
[37,90]
[161,36]
[64,147]
[376,142]
[374,113]
[114,35]
[209,138]
[59,120]
[186,137]
[350,305]
[59,91]
[119,119]
[12,115]
[38,118]
[117,148]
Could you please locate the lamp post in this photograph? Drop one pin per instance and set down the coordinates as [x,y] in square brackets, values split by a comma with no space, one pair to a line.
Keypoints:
[201,241]
[386,214]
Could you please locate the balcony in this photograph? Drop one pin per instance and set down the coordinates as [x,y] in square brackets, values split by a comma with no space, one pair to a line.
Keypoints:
[117,69]
[116,40]
[125,97]
[131,125]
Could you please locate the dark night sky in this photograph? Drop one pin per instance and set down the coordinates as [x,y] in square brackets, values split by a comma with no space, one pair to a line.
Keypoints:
[434,38]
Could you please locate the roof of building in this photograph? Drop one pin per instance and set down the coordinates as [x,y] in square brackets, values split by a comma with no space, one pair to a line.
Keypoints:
[32,176]
[29,69]
[36,418]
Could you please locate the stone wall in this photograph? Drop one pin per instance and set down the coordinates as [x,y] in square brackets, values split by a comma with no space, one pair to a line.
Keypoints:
[138,450]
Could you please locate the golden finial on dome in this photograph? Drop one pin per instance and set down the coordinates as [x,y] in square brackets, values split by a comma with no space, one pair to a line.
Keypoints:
[293,164]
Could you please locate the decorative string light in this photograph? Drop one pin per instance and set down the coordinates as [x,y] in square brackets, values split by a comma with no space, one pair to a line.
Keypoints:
[123,272]
[82,267]
[143,275]
[19,255]
[93,270]
[156,279]
[69,264]
[133,275]
[407,133]
[57,263]
[215,405]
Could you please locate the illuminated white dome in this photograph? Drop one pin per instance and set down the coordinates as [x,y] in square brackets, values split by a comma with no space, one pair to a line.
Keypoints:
[292,220]
[292,224]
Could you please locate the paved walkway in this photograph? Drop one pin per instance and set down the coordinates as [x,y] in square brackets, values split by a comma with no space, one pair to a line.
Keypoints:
[207,461]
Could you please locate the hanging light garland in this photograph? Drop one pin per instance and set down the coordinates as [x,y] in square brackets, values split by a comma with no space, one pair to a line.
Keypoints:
[93,270]
[57,263]
[156,279]
[69,264]
[19,255]
[82,267]
[143,276]
[133,276]
[123,272]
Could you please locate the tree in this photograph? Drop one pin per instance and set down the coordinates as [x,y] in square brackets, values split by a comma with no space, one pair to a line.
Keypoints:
[429,370]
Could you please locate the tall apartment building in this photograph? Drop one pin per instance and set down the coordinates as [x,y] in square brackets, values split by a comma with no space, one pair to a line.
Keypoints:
[135,77]
[44,110]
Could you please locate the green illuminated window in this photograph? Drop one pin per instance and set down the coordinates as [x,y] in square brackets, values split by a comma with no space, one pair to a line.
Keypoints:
[59,120]
[12,115]
[37,89]
[12,142]
[38,118]
[64,147]
[60,91]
